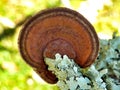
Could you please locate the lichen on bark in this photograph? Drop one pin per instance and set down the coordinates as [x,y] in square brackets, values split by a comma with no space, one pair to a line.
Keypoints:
[103,74]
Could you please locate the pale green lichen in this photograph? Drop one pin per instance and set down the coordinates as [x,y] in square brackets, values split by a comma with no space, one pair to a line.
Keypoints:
[68,73]
[104,74]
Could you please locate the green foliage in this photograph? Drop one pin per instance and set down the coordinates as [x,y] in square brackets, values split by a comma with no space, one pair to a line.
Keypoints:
[15,74]
[108,19]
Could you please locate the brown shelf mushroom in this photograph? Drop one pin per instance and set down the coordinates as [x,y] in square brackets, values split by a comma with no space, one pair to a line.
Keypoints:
[58,30]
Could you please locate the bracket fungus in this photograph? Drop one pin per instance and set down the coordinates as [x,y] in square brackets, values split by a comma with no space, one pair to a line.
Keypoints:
[58,30]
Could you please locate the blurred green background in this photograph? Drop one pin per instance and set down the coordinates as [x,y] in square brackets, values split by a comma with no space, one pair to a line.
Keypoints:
[15,74]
